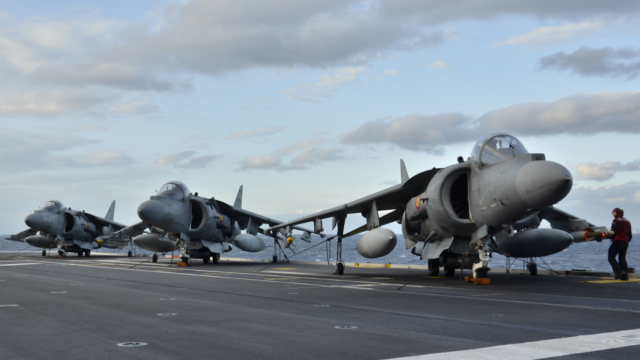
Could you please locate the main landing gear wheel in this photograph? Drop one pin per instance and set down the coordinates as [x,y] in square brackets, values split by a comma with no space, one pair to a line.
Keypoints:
[44,252]
[129,254]
[215,257]
[205,260]
[481,273]
[185,260]
[275,260]
[154,258]
[60,252]
[80,253]
[87,253]
[434,267]
[340,269]
[450,272]
[533,269]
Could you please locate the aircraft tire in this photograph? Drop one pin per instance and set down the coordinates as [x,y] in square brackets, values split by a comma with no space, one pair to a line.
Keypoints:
[60,252]
[44,252]
[450,273]
[87,253]
[80,253]
[533,269]
[215,257]
[434,267]
[205,260]
[275,260]
[129,254]
[481,273]
[340,269]
[154,258]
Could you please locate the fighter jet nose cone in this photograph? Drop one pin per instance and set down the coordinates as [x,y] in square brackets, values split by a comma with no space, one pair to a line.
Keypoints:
[543,183]
[151,211]
[35,221]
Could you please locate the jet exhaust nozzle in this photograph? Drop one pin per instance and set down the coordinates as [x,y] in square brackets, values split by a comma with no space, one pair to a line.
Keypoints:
[376,243]
[155,243]
[535,243]
[250,243]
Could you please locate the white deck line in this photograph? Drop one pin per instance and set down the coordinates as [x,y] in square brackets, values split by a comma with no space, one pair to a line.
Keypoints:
[542,349]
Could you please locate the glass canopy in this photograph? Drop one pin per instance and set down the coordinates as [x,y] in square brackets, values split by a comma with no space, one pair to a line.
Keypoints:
[174,190]
[496,148]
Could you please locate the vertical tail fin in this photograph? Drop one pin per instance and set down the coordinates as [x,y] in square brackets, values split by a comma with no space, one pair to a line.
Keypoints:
[238,203]
[112,210]
[404,176]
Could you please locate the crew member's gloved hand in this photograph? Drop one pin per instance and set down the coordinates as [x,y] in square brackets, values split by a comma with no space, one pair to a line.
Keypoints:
[611,233]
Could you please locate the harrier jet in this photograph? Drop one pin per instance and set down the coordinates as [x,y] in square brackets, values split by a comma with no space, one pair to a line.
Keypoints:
[199,227]
[457,216]
[70,230]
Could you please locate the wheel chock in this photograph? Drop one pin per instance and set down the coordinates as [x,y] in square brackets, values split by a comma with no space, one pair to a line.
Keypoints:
[482,281]
[468,278]
[182,264]
[59,256]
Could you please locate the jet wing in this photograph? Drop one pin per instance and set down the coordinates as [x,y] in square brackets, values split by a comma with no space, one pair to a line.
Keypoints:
[134,230]
[101,222]
[242,216]
[22,235]
[580,229]
[393,198]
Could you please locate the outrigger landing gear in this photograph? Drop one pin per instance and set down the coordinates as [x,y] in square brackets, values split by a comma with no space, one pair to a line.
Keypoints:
[339,262]
[275,248]
[44,252]
[434,267]
[154,257]
[532,267]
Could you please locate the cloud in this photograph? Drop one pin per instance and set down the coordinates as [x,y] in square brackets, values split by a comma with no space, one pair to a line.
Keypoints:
[186,159]
[22,151]
[244,134]
[551,34]
[390,72]
[439,65]
[442,11]
[326,87]
[218,37]
[595,203]
[417,132]
[587,61]
[578,114]
[105,158]
[604,171]
[300,156]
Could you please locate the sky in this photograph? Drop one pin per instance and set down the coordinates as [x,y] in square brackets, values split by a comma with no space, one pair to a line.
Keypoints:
[308,104]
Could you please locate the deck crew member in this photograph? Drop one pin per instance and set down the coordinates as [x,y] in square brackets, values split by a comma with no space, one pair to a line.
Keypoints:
[620,235]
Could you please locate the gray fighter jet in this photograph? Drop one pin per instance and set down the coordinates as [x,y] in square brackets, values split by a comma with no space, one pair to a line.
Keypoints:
[457,216]
[199,227]
[71,230]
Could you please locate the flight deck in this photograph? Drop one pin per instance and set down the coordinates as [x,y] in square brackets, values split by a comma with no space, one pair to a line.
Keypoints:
[111,306]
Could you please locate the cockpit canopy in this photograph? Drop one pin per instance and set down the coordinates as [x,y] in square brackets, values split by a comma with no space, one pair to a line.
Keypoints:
[174,190]
[52,206]
[496,148]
